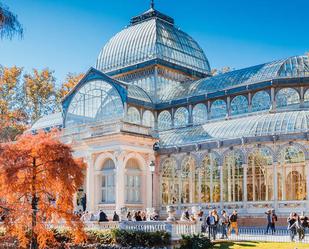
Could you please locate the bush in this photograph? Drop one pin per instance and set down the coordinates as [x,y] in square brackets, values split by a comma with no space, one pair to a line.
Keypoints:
[63,235]
[195,242]
[100,237]
[127,238]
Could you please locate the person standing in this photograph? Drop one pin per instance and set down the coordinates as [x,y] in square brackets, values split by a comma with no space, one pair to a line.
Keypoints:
[210,223]
[269,218]
[292,225]
[274,219]
[233,223]
[115,217]
[224,222]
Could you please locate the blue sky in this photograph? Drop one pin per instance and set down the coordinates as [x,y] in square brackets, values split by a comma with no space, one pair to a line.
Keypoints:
[67,35]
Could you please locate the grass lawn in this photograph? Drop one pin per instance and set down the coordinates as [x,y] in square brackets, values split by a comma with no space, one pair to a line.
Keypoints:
[259,245]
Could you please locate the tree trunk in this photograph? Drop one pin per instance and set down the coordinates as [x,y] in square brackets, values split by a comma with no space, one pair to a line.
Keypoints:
[34,205]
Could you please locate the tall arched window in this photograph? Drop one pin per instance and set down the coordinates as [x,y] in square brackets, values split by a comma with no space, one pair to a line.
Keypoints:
[233,177]
[95,101]
[287,98]
[187,180]
[108,182]
[169,182]
[133,181]
[209,179]
[292,174]
[199,114]
[133,115]
[260,101]
[239,105]
[148,119]
[260,184]
[164,120]
[218,109]
[181,117]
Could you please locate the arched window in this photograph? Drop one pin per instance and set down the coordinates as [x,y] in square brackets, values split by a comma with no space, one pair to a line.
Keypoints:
[292,174]
[133,116]
[148,119]
[164,120]
[169,182]
[239,105]
[287,98]
[209,174]
[261,101]
[260,184]
[199,114]
[108,182]
[187,180]
[306,98]
[181,117]
[133,182]
[95,101]
[233,176]
[218,109]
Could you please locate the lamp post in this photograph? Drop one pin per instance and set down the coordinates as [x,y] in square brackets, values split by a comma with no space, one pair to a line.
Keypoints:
[152,167]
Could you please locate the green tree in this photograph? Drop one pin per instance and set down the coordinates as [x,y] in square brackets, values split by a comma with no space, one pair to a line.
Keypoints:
[9,24]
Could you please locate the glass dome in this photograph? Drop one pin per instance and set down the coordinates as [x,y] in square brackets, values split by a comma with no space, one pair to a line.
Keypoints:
[95,101]
[152,35]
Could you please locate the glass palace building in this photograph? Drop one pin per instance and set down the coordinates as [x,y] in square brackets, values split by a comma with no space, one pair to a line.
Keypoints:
[235,140]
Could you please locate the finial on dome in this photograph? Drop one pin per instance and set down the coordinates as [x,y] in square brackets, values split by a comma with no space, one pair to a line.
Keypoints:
[152,4]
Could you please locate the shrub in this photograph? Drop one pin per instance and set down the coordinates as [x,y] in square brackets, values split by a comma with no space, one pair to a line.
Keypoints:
[63,235]
[195,242]
[100,237]
[127,238]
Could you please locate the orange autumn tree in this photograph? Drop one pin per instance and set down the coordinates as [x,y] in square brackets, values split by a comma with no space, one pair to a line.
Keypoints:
[39,177]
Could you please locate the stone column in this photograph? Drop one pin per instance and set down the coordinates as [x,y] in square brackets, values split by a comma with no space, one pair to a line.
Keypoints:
[208,110]
[275,189]
[245,193]
[307,182]
[156,123]
[120,182]
[301,96]
[221,186]
[190,110]
[90,191]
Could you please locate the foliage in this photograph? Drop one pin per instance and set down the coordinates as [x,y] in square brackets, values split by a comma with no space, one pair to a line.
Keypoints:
[195,242]
[98,236]
[69,83]
[38,180]
[139,238]
[2,232]
[9,24]
[39,94]
[12,116]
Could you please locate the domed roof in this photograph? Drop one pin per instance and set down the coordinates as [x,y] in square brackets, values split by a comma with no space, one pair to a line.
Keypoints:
[150,36]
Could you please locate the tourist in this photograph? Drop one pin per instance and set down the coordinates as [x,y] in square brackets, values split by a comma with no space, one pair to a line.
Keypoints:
[185,216]
[212,221]
[92,217]
[301,228]
[233,223]
[115,217]
[274,219]
[138,216]
[269,218]
[129,216]
[102,217]
[292,225]
[224,222]
[215,227]
[85,217]
[143,216]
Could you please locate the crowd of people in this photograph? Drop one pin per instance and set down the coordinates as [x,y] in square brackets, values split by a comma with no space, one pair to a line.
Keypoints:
[297,225]
[213,223]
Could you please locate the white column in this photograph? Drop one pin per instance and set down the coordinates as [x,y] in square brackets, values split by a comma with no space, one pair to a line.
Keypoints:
[245,193]
[221,186]
[275,189]
[120,184]
[90,184]
[148,186]
[307,182]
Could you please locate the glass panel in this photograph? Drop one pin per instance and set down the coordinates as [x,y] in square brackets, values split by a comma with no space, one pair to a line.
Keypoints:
[261,101]
[133,116]
[95,101]
[148,119]
[199,114]
[239,105]
[218,109]
[181,117]
[287,98]
[164,120]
